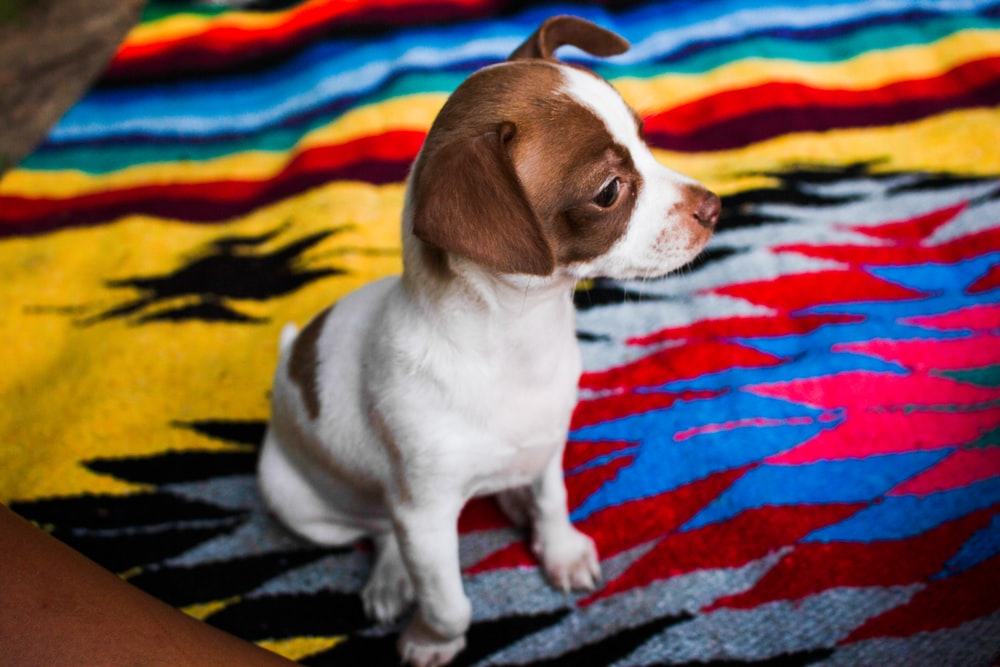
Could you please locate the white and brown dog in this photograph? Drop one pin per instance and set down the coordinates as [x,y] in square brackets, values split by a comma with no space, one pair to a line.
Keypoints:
[457,379]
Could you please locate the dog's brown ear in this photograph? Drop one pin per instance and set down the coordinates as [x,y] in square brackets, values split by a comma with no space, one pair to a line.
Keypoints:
[468,200]
[560,30]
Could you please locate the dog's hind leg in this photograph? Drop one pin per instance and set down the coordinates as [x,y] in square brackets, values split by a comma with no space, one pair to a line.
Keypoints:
[295,500]
[389,591]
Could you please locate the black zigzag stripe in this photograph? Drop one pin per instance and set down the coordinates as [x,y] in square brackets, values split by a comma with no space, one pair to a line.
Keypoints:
[292,615]
[177,466]
[181,586]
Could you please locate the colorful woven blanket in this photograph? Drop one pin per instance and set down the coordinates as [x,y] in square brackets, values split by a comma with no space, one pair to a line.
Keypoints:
[788,453]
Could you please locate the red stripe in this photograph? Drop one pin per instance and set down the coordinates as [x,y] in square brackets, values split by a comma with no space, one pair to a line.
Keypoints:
[739,118]
[733,104]
[957,250]
[991,279]
[733,543]
[220,46]
[380,159]
[622,527]
[798,291]
[756,326]
[915,229]
[678,363]
[580,453]
[812,568]
[945,603]
[617,406]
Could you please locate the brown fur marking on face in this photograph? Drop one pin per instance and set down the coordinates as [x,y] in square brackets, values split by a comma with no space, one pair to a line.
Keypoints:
[303,366]
[531,208]
[564,163]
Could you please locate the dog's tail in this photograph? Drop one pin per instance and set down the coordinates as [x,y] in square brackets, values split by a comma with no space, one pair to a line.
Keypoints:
[289,333]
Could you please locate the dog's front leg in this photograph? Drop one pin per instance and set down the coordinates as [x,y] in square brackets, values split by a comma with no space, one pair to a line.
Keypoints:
[568,556]
[428,539]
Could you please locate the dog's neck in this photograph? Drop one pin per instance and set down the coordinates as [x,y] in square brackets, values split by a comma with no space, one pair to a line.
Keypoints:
[453,287]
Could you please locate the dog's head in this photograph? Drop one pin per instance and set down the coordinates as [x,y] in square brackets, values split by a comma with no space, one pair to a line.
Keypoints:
[537,167]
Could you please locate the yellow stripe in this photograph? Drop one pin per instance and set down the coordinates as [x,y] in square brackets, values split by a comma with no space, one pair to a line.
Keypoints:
[182,26]
[203,610]
[299,648]
[962,142]
[72,393]
[168,29]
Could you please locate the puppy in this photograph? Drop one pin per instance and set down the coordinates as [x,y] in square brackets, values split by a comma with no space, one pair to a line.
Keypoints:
[457,379]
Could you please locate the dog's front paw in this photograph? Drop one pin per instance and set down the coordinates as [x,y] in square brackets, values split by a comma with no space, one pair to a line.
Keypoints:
[421,647]
[569,560]
[389,591]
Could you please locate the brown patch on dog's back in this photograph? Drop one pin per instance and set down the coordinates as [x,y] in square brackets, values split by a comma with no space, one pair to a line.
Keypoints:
[303,364]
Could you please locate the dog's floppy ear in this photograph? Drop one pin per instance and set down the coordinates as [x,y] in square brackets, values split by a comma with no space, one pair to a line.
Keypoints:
[468,200]
[560,30]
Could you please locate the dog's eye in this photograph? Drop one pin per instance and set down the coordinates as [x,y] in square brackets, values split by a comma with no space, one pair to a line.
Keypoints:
[609,195]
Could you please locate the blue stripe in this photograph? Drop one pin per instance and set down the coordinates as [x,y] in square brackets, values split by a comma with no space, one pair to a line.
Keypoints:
[663,463]
[982,546]
[939,277]
[823,482]
[900,517]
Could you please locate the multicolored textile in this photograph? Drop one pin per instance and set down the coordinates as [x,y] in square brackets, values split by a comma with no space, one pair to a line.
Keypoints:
[788,453]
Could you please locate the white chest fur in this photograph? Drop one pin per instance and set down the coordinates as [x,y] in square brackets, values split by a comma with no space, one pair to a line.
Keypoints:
[532,400]
[493,384]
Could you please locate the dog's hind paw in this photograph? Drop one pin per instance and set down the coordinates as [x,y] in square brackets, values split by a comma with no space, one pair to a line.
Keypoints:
[386,600]
[389,591]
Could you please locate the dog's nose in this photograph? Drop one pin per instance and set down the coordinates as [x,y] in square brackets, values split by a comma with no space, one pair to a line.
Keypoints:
[707,213]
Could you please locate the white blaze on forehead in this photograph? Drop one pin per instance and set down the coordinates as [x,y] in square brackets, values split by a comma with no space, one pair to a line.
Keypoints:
[597,95]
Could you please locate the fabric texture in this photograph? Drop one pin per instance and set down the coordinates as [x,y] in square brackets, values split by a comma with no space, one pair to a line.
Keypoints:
[788,452]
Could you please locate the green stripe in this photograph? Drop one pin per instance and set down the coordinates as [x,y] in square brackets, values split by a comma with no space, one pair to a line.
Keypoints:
[989,439]
[160,9]
[987,376]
